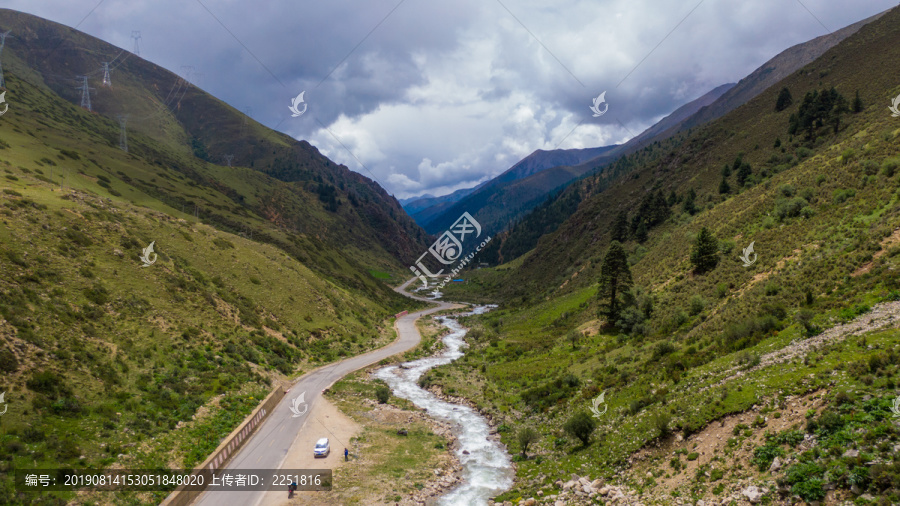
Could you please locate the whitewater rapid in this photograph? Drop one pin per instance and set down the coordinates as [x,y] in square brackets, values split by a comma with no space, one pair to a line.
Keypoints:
[487,470]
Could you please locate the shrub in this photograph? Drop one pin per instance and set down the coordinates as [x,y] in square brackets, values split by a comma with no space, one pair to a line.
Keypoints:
[848,155]
[764,455]
[841,196]
[721,290]
[693,456]
[97,294]
[33,435]
[789,207]
[580,426]
[46,382]
[829,422]
[662,349]
[526,437]
[382,393]
[223,243]
[8,361]
[889,166]
[661,422]
[788,437]
[696,305]
[810,490]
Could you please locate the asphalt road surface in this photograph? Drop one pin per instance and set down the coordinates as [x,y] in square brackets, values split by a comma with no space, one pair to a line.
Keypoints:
[267,448]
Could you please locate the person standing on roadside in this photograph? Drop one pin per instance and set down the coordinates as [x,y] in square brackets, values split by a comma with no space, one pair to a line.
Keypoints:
[346,455]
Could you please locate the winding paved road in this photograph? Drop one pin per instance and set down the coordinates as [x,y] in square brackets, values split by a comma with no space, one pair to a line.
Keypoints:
[267,448]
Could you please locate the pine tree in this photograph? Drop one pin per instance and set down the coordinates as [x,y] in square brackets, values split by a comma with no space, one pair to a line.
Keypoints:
[857,103]
[673,199]
[784,100]
[615,278]
[726,170]
[640,234]
[661,211]
[705,255]
[724,187]
[738,160]
[688,205]
[743,173]
[620,227]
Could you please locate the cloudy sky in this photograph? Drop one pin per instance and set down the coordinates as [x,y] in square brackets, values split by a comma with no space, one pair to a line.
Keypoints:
[431,96]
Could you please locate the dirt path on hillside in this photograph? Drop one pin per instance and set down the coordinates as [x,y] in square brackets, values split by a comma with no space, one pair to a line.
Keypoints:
[883,316]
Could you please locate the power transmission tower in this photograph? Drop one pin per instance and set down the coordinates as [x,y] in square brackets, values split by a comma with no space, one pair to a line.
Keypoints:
[247,112]
[106,80]
[186,72]
[123,136]
[2,43]
[85,94]
[228,159]
[136,35]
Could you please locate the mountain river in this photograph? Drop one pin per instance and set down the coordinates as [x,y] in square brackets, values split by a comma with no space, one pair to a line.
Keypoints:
[487,470]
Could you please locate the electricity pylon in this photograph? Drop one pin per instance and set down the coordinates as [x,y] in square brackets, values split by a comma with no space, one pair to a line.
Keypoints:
[123,136]
[136,35]
[106,80]
[228,159]
[85,94]
[2,43]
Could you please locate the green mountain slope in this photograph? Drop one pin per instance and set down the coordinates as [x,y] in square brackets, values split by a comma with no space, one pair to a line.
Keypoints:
[261,271]
[691,348]
[709,107]
[501,201]
[170,120]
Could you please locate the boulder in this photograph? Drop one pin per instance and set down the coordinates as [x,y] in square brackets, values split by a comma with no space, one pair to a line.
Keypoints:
[776,465]
[529,502]
[753,494]
[852,454]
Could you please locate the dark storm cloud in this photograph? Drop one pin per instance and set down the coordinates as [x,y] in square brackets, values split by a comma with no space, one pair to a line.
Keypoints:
[433,96]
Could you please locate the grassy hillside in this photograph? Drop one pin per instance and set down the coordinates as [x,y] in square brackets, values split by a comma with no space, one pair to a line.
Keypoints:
[262,272]
[176,126]
[694,348]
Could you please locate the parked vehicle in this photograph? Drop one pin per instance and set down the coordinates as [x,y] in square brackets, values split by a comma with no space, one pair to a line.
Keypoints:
[322,448]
